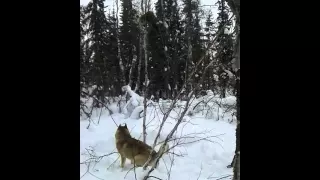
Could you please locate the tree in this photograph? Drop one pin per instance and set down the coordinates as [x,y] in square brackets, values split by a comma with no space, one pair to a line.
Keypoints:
[224,47]
[209,81]
[129,38]
[98,45]
[168,13]
[114,70]
[235,7]
[82,61]
[193,46]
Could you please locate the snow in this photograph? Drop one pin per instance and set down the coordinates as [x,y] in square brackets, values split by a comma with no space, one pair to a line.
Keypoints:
[137,113]
[165,25]
[134,101]
[203,159]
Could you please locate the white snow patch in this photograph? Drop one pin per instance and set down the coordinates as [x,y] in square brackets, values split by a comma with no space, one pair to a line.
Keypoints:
[198,156]
[137,113]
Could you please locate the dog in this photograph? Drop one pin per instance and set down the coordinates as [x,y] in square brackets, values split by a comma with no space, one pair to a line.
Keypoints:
[135,150]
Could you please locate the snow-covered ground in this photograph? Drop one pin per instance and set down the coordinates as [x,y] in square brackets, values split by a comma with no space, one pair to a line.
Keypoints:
[198,159]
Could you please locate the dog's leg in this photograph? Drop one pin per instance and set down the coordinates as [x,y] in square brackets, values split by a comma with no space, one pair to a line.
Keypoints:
[123,161]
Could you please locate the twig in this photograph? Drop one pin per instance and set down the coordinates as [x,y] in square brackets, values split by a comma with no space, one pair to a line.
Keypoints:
[103,105]
[100,115]
[200,172]
[154,177]
[95,176]
[220,177]
[129,171]
[113,162]
[88,166]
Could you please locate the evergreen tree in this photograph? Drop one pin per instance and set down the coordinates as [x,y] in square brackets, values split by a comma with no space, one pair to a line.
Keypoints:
[157,65]
[224,47]
[168,13]
[209,82]
[193,45]
[82,65]
[113,69]
[82,78]
[97,39]
[129,38]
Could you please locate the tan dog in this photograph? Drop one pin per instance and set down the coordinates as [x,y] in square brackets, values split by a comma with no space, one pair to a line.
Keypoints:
[137,151]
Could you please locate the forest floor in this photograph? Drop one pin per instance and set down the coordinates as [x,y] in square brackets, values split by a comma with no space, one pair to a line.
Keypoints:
[198,159]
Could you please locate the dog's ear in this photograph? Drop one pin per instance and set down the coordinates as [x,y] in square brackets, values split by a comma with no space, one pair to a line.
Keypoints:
[125,125]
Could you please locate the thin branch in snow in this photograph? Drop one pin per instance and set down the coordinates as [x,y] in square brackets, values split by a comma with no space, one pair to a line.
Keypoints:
[200,172]
[223,177]
[154,177]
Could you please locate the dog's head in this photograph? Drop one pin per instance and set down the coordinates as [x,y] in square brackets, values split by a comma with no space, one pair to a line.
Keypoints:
[123,130]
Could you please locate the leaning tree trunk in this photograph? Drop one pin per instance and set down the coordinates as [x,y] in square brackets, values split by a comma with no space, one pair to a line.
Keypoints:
[235,7]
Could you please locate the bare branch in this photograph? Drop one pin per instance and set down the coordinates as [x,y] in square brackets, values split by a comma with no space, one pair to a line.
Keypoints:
[154,177]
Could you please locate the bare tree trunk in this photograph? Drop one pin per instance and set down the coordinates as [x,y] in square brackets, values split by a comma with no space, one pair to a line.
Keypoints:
[189,57]
[140,62]
[146,85]
[133,65]
[122,72]
[144,30]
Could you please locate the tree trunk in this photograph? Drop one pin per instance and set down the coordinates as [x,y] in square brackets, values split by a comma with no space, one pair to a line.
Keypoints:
[235,7]
[133,65]
[140,62]
[122,72]
[146,84]
[144,30]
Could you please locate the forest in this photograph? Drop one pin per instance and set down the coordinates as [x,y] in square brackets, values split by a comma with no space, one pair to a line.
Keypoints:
[155,51]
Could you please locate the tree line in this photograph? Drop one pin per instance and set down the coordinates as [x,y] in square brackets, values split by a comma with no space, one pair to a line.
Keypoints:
[154,51]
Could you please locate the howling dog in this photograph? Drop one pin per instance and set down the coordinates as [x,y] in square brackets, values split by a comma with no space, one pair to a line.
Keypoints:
[137,151]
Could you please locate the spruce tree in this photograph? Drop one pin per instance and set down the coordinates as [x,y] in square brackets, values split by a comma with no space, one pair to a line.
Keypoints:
[129,38]
[97,39]
[224,47]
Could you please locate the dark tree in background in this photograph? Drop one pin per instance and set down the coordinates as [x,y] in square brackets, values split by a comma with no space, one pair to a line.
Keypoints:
[167,12]
[193,46]
[113,70]
[209,81]
[224,47]
[82,60]
[129,39]
[100,39]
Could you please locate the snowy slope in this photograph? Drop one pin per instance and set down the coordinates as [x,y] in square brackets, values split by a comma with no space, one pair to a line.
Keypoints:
[203,159]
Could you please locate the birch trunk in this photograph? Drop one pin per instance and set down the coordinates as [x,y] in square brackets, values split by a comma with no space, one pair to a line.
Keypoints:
[122,72]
